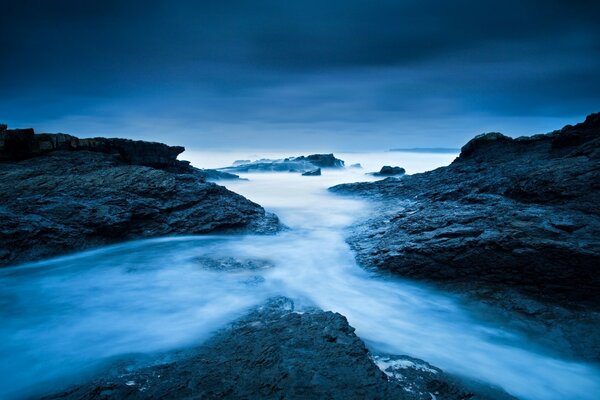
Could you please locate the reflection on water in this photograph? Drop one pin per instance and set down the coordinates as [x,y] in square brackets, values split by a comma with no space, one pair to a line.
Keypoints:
[63,316]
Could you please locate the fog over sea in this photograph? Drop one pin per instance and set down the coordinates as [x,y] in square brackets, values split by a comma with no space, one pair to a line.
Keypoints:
[63,317]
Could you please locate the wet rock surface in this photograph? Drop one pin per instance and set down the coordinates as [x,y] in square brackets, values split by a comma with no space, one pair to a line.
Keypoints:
[60,201]
[425,382]
[277,352]
[512,222]
[214,175]
[301,164]
[232,264]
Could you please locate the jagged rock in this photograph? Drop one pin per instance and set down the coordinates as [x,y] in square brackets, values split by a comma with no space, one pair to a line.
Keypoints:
[214,175]
[316,172]
[275,352]
[20,144]
[63,201]
[386,170]
[290,164]
[322,160]
[519,216]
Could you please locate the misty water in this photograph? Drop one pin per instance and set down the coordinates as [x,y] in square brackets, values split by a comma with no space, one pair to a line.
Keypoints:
[61,318]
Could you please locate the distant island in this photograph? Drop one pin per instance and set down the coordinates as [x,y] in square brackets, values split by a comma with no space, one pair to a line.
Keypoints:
[429,150]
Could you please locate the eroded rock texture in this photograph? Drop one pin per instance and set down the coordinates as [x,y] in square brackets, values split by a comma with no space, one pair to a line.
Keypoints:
[276,352]
[63,200]
[515,222]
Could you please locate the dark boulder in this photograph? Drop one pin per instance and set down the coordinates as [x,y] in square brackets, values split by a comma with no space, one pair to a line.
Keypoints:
[316,172]
[390,171]
[17,144]
[322,160]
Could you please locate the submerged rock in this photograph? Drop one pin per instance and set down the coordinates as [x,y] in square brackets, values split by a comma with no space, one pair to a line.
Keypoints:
[62,201]
[518,216]
[274,352]
[316,172]
[232,264]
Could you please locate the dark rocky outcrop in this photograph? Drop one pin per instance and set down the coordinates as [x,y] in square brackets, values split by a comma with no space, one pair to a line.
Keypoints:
[272,353]
[386,170]
[513,222]
[291,164]
[316,172]
[72,196]
[322,160]
[214,175]
[20,144]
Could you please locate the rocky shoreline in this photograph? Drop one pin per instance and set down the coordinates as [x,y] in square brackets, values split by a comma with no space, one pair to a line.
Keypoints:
[61,194]
[513,223]
[277,351]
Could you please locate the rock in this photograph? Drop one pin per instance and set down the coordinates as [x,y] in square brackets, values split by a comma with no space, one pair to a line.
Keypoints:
[241,162]
[275,352]
[390,171]
[322,160]
[316,172]
[482,141]
[69,200]
[266,165]
[518,216]
[215,175]
[231,264]
[427,382]
[291,164]
[20,144]
[357,166]
[16,143]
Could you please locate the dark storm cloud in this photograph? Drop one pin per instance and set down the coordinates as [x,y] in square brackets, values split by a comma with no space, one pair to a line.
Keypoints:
[278,70]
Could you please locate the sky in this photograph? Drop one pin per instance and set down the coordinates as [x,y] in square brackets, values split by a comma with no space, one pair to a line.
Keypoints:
[284,74]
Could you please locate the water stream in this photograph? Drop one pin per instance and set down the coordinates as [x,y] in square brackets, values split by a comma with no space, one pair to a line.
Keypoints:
[63,316]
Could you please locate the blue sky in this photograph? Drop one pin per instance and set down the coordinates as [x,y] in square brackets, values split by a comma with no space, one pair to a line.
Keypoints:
[339,75]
